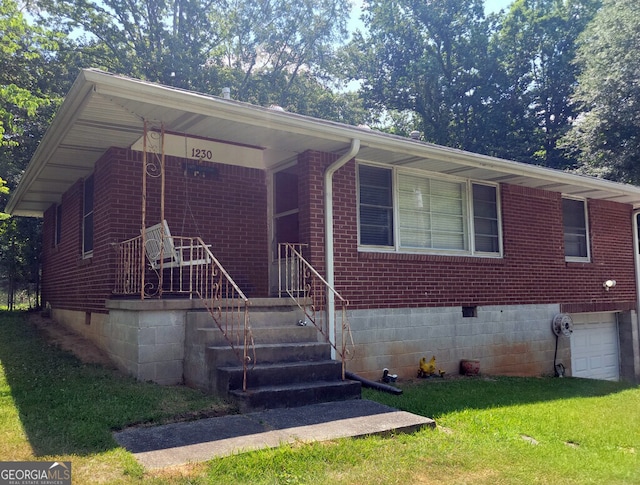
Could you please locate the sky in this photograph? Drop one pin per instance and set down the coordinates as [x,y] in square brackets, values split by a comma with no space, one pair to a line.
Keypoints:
[495,5]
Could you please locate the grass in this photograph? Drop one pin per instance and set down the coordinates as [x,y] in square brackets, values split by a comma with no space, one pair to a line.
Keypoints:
[535,430]
[490,430]
[54,406]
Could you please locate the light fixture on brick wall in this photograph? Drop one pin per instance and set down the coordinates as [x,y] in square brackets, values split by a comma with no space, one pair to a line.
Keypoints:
[607,285]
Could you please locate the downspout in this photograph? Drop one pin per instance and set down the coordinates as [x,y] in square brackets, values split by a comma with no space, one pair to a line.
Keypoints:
[328,234]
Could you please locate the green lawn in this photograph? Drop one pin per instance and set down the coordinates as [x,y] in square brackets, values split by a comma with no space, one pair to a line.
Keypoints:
[490,430]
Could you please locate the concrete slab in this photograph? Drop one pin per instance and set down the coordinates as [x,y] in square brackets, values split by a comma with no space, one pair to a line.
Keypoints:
[205,439]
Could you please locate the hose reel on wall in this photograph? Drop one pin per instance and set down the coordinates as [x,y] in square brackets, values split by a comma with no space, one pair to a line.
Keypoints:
[562,324]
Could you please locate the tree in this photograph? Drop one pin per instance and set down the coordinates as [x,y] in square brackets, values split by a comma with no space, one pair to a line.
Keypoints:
[157,40]
[20,53]
[431,58]
[273,42]
[536,47]
[20,247]
[606,134]
[258,48]
[34,71]
[497,85]
[4,190]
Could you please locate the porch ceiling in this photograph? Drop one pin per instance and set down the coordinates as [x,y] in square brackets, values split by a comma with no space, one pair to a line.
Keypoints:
[104,110]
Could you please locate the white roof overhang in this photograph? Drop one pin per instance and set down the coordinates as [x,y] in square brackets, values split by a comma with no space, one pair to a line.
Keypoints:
[103,110]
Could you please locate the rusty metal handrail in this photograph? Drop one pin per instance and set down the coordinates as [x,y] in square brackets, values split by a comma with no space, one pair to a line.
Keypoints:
[309,290]
[193,271]
[223,288]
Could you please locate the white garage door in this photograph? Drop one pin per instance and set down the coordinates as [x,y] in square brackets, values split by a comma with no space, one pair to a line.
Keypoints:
[594,346]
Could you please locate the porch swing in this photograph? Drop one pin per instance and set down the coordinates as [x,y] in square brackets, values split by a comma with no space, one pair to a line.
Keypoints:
[161,252]
[160,248]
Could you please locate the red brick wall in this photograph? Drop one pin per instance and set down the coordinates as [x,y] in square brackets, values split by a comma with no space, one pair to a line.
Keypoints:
[227,209]
[532,271]
[70,281]
[311,166]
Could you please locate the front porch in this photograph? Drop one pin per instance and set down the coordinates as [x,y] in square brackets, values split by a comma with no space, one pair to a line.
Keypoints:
[174,341]
[191,323]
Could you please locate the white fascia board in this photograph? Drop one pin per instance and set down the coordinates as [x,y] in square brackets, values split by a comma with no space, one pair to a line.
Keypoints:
[294,123]
[421,149]
[211,106]
[69,111]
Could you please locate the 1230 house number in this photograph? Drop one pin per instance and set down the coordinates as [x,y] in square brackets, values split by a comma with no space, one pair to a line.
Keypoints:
[201,154]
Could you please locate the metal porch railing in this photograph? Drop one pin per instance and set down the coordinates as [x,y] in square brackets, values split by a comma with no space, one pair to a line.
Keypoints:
[194,272]
[298,279]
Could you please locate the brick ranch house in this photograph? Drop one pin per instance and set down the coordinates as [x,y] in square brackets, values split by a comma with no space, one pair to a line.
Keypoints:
[439,252]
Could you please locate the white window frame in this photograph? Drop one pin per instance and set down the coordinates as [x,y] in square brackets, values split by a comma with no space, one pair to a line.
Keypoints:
[585,207]
[394,216]
[85,215]
[469,223]
[472,232]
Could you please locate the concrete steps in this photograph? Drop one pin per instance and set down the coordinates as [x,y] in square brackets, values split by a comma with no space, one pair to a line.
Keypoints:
[223,355]
[288,334]
[294,395]
[282,373]
[292,367]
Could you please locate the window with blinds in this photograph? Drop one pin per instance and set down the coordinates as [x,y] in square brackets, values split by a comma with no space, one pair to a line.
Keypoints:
[376,206]
[432,213]
[57,236]
[486,224]
[405,211]
[574,218]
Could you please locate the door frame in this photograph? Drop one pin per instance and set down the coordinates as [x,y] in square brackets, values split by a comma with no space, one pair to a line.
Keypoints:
[272,216]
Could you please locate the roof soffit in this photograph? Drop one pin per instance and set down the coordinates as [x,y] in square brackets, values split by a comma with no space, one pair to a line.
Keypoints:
[103,110]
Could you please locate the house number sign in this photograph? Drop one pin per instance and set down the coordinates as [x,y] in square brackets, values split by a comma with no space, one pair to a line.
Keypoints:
[197,148]
[201,149]
[201,154]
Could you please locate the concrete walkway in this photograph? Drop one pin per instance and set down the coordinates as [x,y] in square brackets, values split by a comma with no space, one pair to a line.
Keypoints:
[194,441]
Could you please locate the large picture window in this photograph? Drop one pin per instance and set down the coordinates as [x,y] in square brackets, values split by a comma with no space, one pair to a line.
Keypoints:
[574,218]
[405,211]
[87,217]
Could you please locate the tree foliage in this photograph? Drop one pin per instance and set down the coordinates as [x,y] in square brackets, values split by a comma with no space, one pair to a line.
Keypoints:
[606,135]
[497,85]
[4,190]
[21,93]
[271,43]
[20,246]
[430,58]
[34,73]
[535,47]
[266,51]
[158,40]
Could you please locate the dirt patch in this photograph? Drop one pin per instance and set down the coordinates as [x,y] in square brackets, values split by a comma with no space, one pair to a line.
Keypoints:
[60,336]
